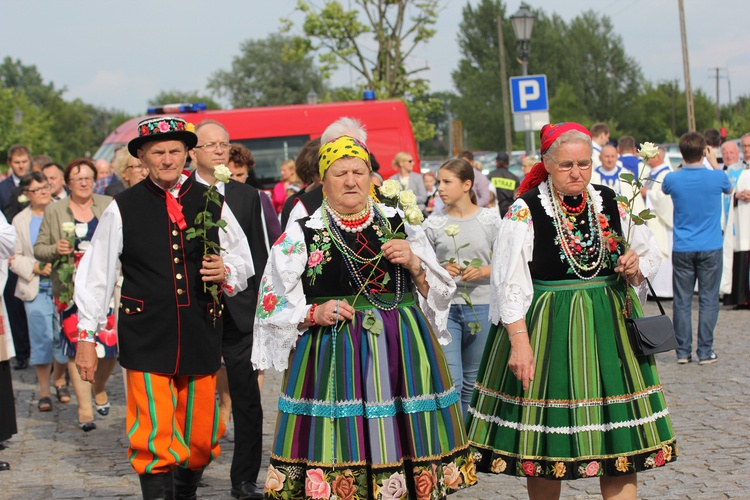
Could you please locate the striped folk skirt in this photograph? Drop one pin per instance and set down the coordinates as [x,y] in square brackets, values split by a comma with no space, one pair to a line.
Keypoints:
[593,408]
[368,410]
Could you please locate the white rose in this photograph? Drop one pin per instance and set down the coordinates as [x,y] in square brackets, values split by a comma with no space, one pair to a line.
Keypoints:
[414,216]
[407,198]
[222,173]
[69,228]
[648,150]
[452,230]
[390,188]
[22,199]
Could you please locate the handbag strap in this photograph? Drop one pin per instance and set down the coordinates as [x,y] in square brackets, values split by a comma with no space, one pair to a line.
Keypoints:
[628,304]
[656,298]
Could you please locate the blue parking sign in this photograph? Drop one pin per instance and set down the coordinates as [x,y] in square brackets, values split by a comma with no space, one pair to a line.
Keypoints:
[529,93]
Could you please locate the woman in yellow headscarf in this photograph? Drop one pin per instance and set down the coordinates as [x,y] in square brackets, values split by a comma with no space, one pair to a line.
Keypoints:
[367,405]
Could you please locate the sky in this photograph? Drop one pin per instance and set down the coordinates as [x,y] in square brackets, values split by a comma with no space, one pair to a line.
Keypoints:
[121,54]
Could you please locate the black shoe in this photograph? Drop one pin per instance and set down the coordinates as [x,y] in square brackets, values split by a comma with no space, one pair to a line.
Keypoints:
[21,364]
[246,490]
[87,426]
[4,466]
[186,483]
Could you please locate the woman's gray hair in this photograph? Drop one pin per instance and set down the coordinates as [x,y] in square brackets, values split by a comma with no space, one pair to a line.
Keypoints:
[568,137]
[345,126]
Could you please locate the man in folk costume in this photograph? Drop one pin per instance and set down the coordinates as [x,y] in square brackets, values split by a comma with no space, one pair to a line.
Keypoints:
[170,325]
[662,224]
[211,151]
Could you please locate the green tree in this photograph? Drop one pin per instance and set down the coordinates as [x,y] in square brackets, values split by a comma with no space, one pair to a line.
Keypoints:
[589,76]
[261,76]
[377,48]
[182,97]
[16,75]
[21,122]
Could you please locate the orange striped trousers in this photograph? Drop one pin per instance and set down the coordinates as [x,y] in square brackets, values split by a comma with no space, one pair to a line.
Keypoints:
[172,420]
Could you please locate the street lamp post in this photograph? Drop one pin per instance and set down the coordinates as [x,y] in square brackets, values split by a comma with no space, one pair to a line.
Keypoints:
[523,23]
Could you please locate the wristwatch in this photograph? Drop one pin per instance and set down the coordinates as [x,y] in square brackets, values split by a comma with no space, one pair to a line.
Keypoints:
[422,269]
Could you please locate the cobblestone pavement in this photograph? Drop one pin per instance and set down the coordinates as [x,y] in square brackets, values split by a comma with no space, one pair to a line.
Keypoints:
[51,458]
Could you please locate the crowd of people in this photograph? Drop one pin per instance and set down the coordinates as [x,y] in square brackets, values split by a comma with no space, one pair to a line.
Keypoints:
[431,326]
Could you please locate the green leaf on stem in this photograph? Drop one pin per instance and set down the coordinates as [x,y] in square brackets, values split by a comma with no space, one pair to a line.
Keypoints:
[371,323]
[477,263]
[386,279]
[466,297]
[627,177]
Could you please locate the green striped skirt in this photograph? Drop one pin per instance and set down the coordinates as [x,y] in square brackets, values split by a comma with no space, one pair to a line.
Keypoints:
[593,408]
[368,410]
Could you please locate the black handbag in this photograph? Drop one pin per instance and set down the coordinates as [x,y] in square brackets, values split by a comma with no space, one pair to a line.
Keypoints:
[651,334]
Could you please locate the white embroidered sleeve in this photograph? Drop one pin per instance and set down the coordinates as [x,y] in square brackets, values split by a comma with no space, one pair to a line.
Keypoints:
[511,287]
[282,304]
[436,305]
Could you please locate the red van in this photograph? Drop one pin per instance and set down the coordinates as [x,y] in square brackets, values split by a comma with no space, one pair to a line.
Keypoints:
[277,133]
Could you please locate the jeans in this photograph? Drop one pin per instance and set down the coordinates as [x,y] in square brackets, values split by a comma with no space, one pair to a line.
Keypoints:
[706,267]
[42,333]
[464,353]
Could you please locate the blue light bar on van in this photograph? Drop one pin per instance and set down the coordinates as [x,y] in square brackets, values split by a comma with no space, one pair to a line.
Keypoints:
[368,95]
[177,108]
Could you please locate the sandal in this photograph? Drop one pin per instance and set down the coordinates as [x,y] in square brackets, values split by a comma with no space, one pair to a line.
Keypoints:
[63,393]
[45,404]
[102,410]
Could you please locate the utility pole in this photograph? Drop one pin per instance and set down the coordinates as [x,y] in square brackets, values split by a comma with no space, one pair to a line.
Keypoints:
[718,77]
[686,70]
[504,87]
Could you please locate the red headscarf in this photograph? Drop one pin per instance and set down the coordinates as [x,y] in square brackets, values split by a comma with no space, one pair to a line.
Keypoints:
[548,135]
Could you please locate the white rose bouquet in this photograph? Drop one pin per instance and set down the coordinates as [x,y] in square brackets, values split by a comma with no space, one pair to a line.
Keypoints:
[65,265]
[204,222]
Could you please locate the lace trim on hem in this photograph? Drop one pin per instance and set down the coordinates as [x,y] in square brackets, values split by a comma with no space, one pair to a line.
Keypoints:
[544,429]
[569,404]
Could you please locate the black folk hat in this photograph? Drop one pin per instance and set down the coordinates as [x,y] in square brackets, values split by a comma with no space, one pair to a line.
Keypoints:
[163,128]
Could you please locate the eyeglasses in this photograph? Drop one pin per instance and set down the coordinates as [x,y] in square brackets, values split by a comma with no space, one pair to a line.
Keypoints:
[135,167]
[39,190]
[82,180]
[568,165]
[211,146]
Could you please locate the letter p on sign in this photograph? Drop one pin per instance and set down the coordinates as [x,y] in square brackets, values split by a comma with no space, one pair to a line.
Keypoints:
[529,91]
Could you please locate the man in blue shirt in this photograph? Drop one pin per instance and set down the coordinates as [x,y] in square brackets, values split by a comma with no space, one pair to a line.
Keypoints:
[697,253]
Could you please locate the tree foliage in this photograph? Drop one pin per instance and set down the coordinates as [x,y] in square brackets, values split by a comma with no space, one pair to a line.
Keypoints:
[377,48]
[34,113]
[590,79]
[262,76]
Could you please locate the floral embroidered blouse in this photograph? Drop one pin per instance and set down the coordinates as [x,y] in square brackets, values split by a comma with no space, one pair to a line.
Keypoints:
[520,257]
[305,263]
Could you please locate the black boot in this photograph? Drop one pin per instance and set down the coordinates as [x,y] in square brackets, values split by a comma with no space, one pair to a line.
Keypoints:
[186,483]
[156,486]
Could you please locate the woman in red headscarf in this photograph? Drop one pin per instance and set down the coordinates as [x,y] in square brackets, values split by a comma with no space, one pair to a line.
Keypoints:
[560,393]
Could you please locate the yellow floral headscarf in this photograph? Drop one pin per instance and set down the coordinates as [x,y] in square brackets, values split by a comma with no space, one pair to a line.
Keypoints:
[339,148]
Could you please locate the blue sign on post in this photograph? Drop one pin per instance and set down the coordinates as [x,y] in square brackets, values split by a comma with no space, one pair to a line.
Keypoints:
[529,93]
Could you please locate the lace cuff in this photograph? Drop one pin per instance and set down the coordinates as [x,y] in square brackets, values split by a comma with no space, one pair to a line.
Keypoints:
[272,345]
[436,306]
